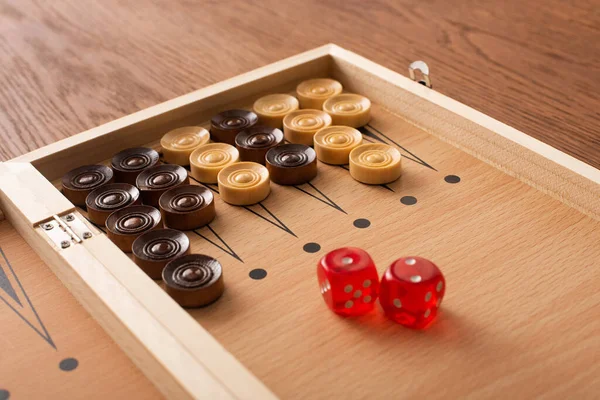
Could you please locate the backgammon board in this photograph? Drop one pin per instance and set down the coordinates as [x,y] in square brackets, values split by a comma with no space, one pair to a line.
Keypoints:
[512,223]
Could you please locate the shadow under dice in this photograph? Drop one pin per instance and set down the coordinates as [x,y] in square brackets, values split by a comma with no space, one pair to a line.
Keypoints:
[411,292]
[348,280]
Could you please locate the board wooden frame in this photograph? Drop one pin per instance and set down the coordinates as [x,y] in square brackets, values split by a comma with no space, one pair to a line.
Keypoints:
[169,346]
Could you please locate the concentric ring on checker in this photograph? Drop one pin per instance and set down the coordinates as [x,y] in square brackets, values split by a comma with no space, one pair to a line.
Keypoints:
[127,164]
[101,202]
[161,177]
[125,225]
[333,144]
[88,176]
[244,183]
[312,93]
[194,280]
[187,207]
[253,143]
[300,126]
[160,248]
[178,144]
[88,179]
[133,222]
[276,104]
[259,137]
[79,182]
[234,119]
[348,109]
[135,159]
[113,199]
[154,181]
[292,164]
[227,124]
[192,275]
[272,108]
[290,158]
[375,163]
[185,202]
[154,249]
[184,138]
[208,160]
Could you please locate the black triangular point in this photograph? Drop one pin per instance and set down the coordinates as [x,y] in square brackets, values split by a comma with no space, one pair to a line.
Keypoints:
[347,168]
[257,209]
[366,138]
[211,186]
[312,191]
[7,287]
[212,237]
[372,134]
[388,188]
[264,213]
[8,270]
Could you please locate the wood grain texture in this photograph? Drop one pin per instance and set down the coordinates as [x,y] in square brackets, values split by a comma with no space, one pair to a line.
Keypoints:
[68,66]
[104,371]
[513,321]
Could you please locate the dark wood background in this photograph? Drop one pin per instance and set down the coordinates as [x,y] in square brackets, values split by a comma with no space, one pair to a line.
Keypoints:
[67,66]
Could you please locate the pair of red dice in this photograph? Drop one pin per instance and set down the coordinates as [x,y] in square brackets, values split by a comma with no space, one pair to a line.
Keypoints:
[410,291]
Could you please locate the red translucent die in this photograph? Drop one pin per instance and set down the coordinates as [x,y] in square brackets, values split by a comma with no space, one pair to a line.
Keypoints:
[348,280]
[411,291]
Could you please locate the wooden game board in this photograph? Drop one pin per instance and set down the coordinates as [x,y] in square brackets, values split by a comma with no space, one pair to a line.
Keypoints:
[513,224]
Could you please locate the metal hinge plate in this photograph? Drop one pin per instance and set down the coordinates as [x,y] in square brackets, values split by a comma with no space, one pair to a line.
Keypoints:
[66,230]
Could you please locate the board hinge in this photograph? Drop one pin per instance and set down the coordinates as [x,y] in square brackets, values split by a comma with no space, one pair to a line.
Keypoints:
[66,230]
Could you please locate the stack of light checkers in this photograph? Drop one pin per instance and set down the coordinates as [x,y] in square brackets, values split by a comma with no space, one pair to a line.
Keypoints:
[136,196]
[248,150]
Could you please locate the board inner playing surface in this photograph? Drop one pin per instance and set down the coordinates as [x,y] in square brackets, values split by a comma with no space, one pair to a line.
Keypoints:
[521,271]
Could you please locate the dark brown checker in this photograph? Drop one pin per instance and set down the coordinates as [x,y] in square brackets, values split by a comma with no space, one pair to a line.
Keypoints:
[292,164]
[194,280]
[254,143]
[154,249]
[227,124]
[127,224]
[109,198]
[128,163]
[187,207]
[155,181]
[78,183]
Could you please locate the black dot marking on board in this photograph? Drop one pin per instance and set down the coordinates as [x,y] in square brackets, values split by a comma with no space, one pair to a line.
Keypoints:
[312,247]
[68,364]
[258,274]
[4,394]
[408,200]
[362,223]
[452,179]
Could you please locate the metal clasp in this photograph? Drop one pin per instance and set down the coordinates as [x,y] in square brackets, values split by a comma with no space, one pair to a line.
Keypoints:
[422,67]
[66,230]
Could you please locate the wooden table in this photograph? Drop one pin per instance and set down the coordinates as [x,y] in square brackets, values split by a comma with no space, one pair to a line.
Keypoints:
[68,66]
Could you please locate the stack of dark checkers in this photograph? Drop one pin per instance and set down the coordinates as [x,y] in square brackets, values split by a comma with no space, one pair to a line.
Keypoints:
[137,195]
